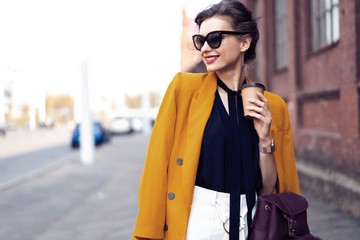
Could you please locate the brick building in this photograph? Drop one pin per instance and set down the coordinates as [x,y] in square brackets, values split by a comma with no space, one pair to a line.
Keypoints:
[309,53]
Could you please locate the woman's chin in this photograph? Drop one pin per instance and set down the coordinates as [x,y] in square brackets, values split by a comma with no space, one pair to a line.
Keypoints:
[211,68]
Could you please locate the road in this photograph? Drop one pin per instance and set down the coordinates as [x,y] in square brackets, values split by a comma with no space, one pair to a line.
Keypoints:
[74,201]
[23,141]
[99,202]
[25,153]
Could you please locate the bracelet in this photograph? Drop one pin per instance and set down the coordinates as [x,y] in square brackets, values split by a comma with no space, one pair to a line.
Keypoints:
[269,149]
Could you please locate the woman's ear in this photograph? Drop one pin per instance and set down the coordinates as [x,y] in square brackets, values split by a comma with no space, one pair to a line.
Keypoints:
[245,43]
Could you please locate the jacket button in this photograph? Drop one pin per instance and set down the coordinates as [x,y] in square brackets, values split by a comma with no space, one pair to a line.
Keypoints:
[171,196]
[165,227]
[179,161]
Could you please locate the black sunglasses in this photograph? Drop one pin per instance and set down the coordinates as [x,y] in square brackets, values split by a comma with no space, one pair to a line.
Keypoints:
[212,38]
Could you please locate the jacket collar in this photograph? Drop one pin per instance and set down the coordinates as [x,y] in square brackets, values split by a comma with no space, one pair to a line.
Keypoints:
[208,87]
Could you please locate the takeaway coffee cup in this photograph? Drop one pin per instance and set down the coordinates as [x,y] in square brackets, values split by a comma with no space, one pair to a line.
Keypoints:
[249,91]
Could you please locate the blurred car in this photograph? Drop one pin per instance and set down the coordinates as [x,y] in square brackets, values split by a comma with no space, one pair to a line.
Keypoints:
[2,129]
[121,125]
[137,124]
[101,134]
[47,124]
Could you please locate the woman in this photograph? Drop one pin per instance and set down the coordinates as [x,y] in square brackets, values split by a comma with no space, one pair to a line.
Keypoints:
[206,163]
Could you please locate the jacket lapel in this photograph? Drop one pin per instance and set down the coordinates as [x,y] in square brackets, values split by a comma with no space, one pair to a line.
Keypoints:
[200,109]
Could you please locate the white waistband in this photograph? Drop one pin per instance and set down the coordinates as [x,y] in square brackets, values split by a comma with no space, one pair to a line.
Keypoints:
[205,195]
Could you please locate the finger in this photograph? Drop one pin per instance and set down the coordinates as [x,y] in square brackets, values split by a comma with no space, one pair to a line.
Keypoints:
[259,110]
[257,102]
[262,110]
[265,119]
[256,115]
[262,97]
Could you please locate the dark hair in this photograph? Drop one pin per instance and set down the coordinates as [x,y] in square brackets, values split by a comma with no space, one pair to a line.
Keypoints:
[241,20]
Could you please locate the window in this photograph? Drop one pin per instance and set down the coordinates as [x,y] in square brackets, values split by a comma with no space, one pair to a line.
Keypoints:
[280,34]
[324,23]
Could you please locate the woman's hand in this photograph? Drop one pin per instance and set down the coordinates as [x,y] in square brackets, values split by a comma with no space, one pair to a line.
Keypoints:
[262,118]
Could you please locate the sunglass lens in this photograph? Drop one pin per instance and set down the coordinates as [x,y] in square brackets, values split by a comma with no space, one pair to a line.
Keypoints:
[198,41]
[214,39]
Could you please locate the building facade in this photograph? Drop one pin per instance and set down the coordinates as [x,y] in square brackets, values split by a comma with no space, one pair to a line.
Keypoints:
[309,53]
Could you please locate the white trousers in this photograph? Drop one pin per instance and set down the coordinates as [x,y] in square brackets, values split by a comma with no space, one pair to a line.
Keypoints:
[210,213]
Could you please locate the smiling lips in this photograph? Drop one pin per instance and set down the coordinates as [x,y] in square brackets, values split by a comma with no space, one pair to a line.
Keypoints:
[210,59]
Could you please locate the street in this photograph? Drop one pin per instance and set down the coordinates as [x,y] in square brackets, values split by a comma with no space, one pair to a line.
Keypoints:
[99,202]
[24,153]
[17,167]
[75,201]
[21,141]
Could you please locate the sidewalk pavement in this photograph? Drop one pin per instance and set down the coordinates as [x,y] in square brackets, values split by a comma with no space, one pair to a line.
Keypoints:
[99,202]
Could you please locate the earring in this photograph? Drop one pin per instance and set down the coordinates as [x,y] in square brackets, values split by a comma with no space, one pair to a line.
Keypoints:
[242,59]
[242,76]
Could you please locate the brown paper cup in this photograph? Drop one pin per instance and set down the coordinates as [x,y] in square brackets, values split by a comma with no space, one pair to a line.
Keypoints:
[249,91]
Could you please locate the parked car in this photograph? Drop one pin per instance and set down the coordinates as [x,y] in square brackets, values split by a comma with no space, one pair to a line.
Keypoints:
[2,129]
[121,125]
[101,134]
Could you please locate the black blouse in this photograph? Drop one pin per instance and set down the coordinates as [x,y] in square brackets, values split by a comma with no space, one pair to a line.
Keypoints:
[229,158]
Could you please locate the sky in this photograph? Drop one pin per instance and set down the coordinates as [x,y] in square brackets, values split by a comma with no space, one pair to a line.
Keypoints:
[128,46]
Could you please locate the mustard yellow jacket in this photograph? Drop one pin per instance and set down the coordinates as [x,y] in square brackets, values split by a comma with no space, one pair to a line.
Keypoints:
[168,178]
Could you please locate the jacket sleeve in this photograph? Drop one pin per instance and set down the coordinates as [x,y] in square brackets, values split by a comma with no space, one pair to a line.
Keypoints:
[153,184]
[284,156]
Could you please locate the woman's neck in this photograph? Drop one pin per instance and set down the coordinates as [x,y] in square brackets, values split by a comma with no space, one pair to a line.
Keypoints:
[231,79]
